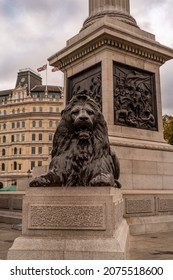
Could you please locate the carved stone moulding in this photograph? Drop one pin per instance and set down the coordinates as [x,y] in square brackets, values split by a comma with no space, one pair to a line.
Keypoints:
[66,216]
[72,212]
[165,204]
[134,97]
[90,81]
[148,205]
[115,43]
[110,13]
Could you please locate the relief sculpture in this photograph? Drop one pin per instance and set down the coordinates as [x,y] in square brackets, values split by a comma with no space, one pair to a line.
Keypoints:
[134,98]
[90,82]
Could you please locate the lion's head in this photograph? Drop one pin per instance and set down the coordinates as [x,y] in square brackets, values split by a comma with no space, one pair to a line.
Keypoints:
[81,119]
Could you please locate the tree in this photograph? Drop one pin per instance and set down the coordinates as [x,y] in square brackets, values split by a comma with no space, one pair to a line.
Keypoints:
[168,129]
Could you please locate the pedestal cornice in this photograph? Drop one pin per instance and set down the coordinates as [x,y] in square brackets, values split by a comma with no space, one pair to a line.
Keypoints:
[105,34]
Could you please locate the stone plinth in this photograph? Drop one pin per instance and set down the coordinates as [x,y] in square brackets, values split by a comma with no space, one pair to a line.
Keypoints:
[72,223]
[148,211]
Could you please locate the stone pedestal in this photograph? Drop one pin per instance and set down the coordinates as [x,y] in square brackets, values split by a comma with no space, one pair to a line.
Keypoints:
[118,64]
[72,223]
[94,61]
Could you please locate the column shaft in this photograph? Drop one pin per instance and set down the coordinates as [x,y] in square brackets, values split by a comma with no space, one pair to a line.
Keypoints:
[96,6]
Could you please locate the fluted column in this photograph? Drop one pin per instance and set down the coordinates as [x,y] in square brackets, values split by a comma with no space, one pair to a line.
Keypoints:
[119,9]
[96,6]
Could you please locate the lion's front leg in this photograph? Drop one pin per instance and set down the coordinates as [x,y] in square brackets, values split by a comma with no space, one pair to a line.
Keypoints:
[102,179]
[50,179]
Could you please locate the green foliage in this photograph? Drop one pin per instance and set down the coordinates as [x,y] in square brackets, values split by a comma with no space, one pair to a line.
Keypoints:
[168,129]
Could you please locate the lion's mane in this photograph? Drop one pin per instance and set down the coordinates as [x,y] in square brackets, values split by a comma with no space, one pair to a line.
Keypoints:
[65,131]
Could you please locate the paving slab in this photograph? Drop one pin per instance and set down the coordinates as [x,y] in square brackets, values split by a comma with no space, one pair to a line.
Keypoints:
[157,246]
[7,236]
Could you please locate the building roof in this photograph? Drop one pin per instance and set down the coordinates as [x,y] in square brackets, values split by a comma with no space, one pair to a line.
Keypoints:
[41,88]
[5,92]
[32,81]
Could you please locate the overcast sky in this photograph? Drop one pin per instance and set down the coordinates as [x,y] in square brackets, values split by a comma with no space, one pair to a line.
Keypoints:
[33,30]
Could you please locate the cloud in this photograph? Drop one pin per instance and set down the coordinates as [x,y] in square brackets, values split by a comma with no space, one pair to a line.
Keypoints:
[156,17]
[33,30]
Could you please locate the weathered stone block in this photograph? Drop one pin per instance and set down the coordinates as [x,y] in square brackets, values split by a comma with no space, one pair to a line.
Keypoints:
[72,223]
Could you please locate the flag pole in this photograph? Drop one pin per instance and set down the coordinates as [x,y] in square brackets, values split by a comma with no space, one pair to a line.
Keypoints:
[46,92]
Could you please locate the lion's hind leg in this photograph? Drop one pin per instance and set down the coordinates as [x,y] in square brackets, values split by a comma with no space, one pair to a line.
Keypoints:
[102,179]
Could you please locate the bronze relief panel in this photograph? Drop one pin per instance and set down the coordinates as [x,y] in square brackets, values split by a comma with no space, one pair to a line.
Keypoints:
[88,81]
[134,97]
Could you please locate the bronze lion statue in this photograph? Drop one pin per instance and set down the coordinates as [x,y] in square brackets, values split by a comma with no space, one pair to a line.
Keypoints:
[81,154]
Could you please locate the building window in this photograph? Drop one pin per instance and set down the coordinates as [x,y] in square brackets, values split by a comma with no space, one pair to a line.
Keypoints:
[20,151]
[23,124]
[57,110]
[23,110]
[13,125]
[5,112]
[18,111]
[50,137]
[34,109]
[20,167]
[50,123]
[50,109]
[57,123]
[40,124]
[0,112]
[39,163]
[40,137]
[33,150]
[4,126]
[40,150]
[33,137]
[12,138]
[41,96]
[15,165]
[4,139]
[41,109]
[32,164]
[18,124]
[3,152]
[23,137]
[35,96]
[15,151]
[33,123]
[3,167]
[13,111]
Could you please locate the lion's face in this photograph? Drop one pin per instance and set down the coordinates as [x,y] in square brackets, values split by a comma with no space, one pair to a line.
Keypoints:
[83,119]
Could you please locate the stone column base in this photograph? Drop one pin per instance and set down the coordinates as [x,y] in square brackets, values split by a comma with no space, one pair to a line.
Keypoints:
[82,223]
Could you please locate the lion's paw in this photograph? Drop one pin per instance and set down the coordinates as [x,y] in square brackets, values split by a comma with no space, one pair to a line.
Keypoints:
[38,182]
[102,180]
